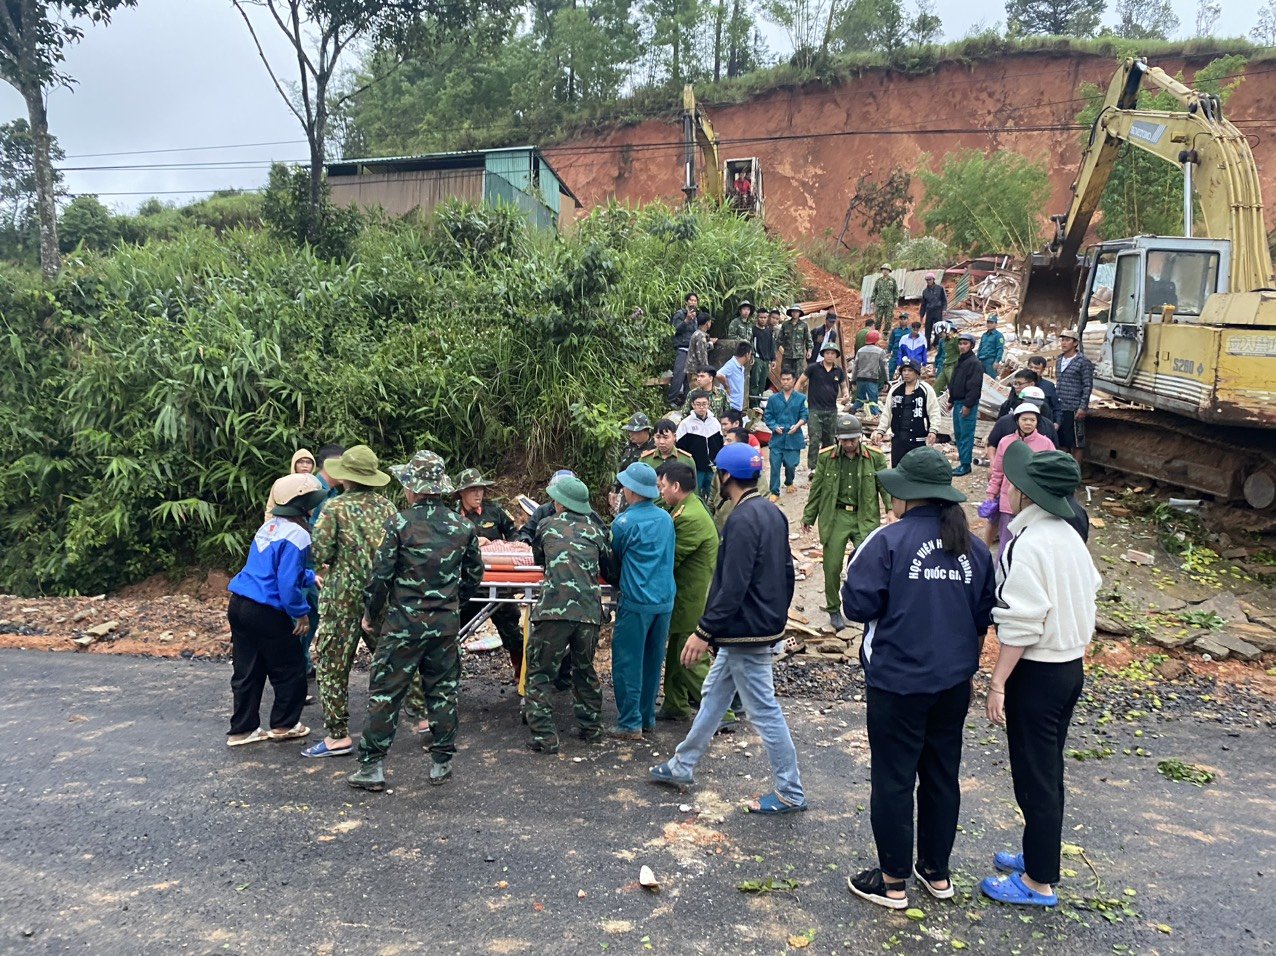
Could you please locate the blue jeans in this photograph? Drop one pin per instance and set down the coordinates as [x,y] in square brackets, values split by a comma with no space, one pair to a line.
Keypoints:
[789,459]
[749,673]
[866,390]
[704,485]
[637,655]
[964,433]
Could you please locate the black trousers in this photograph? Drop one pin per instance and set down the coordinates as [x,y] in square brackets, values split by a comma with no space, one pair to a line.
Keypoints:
[678,383]
[263,646]
[915,744]
[1039,702]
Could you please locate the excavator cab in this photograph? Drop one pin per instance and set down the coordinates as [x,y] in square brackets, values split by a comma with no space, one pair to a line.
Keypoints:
[743,179]
[1132,285]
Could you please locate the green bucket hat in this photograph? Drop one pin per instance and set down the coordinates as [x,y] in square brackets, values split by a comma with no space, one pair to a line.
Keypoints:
[471,478]
[571,493]
[425,474]
[922,473]
[358,464]
[1046,477]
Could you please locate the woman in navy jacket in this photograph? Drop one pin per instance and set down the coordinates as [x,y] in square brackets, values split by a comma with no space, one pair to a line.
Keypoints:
[923,587]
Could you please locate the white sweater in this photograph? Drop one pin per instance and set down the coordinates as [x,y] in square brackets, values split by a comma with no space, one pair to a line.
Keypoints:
[1046,588]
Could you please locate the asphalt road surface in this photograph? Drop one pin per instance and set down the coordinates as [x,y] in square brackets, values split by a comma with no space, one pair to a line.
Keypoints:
[129,827]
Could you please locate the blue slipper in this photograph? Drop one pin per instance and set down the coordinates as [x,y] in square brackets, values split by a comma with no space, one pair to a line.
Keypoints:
[772,803]
[663,773]
[321,750]
[1012,889]
[1008,862]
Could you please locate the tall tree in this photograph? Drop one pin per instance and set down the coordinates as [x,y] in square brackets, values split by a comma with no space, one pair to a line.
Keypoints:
[808,23]
[1264,31]
[1071,18]
[1145,19]
[34,35]
[18,199]
[1207,14]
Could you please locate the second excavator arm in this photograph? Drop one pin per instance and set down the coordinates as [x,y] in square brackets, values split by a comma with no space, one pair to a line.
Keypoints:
[698,135]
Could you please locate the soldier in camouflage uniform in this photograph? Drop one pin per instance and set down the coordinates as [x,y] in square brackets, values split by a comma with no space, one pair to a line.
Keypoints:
[706,381]
[428,564]
[638,440]
[885,297]
[795,339]
[741,327]
[343,544]
[492,523]
[574,552]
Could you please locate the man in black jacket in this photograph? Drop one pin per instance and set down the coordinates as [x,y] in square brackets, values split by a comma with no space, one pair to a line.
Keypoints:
[685,323]
[746,614]
[964,389]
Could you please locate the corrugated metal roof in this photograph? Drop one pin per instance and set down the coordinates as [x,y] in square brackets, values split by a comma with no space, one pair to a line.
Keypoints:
[440,160]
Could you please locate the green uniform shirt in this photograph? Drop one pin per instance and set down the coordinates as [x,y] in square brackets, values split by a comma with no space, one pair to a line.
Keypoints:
[718,403]
[427,565]
[695,555]
[491,521]
[885,293]
[795,339]
[740,328]
[630,453]
[574,552]
[840,481]
[345,541]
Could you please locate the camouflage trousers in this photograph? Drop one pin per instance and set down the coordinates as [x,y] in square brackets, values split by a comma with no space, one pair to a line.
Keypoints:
[398,659]
[336,643]
[550,643]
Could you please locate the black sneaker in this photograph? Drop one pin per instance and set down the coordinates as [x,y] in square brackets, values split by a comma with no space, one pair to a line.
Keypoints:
[542,746]
[872,886]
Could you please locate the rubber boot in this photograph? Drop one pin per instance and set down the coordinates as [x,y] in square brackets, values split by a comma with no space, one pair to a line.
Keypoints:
[440,773]
[835,620]
[369,776]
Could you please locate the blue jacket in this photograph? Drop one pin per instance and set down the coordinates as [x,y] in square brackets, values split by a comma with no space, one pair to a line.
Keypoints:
[992,345]
[752,584]
[916,353]
[786,413]
[642,539]
[924,611]
[275,573]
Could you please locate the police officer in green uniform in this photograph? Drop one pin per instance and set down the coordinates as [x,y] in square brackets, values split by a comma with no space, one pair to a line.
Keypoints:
[666,450]
[843,500]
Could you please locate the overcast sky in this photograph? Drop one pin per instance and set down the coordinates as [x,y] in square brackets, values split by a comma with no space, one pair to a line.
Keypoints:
[180,74]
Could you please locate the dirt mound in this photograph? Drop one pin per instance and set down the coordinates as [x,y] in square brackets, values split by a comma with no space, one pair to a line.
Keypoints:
[825,285]
[201,585]
[815,142]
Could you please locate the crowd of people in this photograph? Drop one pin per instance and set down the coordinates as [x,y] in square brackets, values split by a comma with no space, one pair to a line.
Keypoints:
[696,572]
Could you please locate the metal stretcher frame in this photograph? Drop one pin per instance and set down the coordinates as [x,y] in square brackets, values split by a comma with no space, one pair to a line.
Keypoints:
[520,586]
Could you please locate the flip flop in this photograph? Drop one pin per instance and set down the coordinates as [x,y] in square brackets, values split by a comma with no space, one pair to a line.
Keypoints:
[256,737]
[322,749]
[772,803]
[293,733]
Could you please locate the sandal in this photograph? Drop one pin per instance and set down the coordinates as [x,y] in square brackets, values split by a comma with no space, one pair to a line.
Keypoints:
[256,737]
[1012,889]
[871,885]
[774,803]
[293,733]
[928,883]
[322,749]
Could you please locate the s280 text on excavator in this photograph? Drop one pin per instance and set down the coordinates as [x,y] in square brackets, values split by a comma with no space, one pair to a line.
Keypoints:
[1182,329]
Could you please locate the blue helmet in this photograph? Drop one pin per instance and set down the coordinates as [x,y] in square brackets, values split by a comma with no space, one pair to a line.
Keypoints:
[740,460]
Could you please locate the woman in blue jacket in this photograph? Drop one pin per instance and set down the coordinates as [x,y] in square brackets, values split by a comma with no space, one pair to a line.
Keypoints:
[923,587]
[268,612]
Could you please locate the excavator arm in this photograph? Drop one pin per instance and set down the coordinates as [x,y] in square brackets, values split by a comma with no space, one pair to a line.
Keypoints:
[698,136]
[1218,166]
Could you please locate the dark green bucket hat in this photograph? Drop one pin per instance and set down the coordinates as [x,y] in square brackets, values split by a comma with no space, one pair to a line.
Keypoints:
[922,473]
[358,464]
[571,493]
[1046,477]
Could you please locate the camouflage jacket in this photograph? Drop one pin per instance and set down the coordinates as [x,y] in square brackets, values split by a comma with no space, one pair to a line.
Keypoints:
[719,402]
[427,565]
[795,338]
[740,328]
[885,293]
[574,551]
[491,522]
[345,541]
[629,454]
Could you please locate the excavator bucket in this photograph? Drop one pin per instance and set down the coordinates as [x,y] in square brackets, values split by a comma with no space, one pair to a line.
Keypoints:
[1049,296]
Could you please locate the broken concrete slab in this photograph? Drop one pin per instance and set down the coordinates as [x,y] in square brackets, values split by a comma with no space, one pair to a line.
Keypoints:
[1170,641]
[101,630]
[1213,647]
[1242,650]
[1104,624]
[1226,605]
[1260,635]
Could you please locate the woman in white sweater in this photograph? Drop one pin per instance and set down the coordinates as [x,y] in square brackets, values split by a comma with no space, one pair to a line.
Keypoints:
[1046,587]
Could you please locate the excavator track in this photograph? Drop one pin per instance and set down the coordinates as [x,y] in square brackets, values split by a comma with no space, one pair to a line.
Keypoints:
[1229,464]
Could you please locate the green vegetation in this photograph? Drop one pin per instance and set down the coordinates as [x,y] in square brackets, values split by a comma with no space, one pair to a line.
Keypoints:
[985,202]
[149,396]
[1181,772]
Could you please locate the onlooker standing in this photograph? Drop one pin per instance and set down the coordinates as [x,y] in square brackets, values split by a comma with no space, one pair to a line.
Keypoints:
[869,372]
[785,415]
[1046,588]
[897,336]
[700,435]
[1022,379]
[1074,374]
[694,557]
[303,463]
[909,413]
[706,381]
[746,614]
[642,539]
[964,391]
[685,323]
[344,543]
[885,297]
[735,376]
[913,346]
[268,612]
[992,348]
[1005,425]
[999,490]
[843,501]
[428,564]
[574,552]
[861,337]
[763,357]
[637,440]
[1038,364]
[331,489]
[947,352]
[925,611]
[666,442]
[741,327]
[933,305]
[823,383]
[698,349]
[827,334]
[795,339]
[690,305]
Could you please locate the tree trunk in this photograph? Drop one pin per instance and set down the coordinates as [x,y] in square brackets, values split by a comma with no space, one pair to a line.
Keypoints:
[318,152]
[45,188]
[719,24]
[733,41]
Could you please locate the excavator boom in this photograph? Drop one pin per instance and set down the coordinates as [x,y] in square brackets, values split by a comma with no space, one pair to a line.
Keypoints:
[698,137]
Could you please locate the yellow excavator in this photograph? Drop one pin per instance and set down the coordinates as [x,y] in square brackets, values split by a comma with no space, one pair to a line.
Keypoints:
[737,181]
[1182,329]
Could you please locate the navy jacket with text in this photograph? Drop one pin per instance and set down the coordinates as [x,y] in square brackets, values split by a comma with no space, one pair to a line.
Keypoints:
[924,611]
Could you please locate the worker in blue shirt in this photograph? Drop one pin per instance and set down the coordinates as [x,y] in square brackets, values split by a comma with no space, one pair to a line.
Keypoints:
[992,348]
[734,375]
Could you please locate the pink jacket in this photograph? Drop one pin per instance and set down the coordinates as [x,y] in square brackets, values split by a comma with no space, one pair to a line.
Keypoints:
[998,487]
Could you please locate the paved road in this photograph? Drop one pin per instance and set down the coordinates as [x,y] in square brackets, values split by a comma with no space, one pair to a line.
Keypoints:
[130,828]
